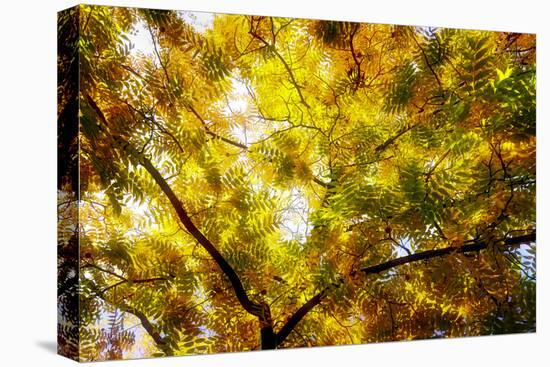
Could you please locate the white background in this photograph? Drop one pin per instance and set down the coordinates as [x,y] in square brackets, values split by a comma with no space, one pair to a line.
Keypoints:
[28,175]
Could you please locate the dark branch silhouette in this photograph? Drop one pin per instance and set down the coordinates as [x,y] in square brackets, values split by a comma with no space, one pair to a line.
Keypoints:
[248,305]
[299,315]
[259,310]
[427,61]
[380,148]
[470,246]
[213,134]
[148,326]
[123,280]
[145,322]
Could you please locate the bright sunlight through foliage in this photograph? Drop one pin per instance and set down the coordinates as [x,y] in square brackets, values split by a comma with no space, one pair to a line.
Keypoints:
[232,183]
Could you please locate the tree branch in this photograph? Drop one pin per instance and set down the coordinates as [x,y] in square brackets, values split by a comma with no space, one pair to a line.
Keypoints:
[380,148]
[156,123]
[228,270]
[470,246]
[123,280]
[355,59]
[322,183]
[148,326]
[259,310]
[246,147]
[427,61]
[137,281]
[299,315]
[272,48]
[90,265]
[213,134]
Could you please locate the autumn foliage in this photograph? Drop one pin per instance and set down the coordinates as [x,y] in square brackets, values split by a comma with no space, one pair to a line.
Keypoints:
[261,183]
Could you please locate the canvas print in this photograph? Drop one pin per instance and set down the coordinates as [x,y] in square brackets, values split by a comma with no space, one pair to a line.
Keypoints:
[233,183]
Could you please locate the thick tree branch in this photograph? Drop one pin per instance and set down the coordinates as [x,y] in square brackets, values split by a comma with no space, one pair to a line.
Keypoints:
[299,315]
[250,306]
[470,246]
[228,270]
[260,310]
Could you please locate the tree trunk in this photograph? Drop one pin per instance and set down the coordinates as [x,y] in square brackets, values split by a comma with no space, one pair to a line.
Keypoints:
[269,338]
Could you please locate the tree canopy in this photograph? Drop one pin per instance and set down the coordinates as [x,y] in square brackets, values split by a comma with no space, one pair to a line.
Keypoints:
[250,182]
